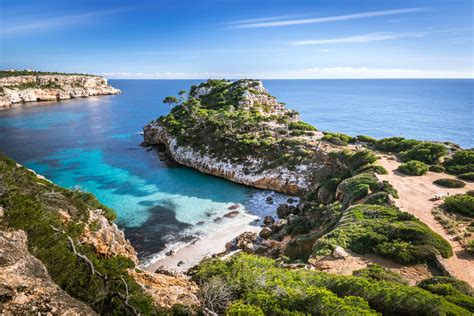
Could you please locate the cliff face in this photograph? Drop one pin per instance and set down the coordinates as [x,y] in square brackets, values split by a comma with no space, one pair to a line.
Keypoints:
[241,133]
[31,88]
[53,238]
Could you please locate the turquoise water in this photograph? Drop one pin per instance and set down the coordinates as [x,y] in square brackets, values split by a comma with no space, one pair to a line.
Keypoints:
[93,144]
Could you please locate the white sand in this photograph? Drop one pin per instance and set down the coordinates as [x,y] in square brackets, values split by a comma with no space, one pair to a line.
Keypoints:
[213,243]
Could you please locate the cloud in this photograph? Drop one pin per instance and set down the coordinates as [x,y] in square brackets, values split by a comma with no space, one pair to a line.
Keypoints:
[341,72]
[366,38]
[55,22]
[384,73]
[270,22]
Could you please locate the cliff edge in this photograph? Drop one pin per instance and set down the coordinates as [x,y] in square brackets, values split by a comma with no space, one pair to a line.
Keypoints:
[20,87]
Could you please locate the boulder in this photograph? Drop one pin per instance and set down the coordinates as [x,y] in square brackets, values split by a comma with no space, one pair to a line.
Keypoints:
[233,207]
[276,227]
[231,214]
[265,233]
[268,220]
[269,199]
[285,209]
[339,253]
[244,239]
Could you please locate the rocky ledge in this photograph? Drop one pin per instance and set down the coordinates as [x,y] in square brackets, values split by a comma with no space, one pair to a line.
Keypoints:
[237,131]
[38,87]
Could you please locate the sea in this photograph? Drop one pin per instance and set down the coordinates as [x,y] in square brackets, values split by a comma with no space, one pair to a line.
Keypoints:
[93,144]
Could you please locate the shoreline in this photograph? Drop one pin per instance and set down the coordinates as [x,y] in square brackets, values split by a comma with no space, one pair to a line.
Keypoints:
[210,244]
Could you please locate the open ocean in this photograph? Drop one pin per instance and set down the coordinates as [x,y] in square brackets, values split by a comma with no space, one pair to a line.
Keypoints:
[93,144]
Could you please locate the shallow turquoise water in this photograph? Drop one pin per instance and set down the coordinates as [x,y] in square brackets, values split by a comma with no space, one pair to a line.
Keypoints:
[93,143]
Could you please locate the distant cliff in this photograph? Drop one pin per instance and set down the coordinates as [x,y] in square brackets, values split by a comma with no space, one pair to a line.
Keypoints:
[19,87]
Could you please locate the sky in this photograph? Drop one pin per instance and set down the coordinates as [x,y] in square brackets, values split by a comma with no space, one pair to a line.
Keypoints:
[190,39]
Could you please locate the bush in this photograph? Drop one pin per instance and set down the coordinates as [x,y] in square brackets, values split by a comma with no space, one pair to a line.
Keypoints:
[436,168]
[425,152]
[395,144]
[468,176]
[259,283]
[386,231]
[460,203]
[366,139]
[338,138]
[239,308]
[470,246]
[303,126]
[450,183]
[461,162]
[356,187]
[413,168]
[452,289]
[377,273]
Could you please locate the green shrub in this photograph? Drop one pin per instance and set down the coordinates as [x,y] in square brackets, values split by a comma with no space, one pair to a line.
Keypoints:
[300,125]
[277,291]
[413,168]
[239,308]
[452,289]
[377,273]
[356,187]
[470,246]
[425,152]
[395,144]
[386,231]
[460,203]
[338,138]
[366,139]
[461,162]
[450,183]
[436,168]
[468,176]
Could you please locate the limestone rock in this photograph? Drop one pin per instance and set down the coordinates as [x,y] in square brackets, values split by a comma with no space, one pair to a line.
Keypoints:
[51,88]
[265,233]
[25,285]
[285,209]
[339,253]
[268,220]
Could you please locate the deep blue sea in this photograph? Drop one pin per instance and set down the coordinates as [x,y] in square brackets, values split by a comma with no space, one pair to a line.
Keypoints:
[93,144]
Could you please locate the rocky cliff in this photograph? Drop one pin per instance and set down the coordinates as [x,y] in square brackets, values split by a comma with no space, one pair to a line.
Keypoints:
[39,87]
[237,131]
[61,253]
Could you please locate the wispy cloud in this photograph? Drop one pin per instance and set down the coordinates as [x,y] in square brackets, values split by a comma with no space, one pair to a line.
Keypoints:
[366,38]
[54,22]
[281,21]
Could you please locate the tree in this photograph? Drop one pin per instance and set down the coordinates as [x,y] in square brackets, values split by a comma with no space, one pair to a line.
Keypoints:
[171,101]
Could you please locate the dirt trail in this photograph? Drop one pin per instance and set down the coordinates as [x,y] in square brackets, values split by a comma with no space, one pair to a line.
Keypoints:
[415,194]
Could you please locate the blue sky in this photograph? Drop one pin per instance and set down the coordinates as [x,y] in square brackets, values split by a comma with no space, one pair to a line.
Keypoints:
[240,39]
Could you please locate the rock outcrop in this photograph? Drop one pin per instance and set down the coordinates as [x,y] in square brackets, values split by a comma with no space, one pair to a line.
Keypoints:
[25,285]
[32,88]
[230,112]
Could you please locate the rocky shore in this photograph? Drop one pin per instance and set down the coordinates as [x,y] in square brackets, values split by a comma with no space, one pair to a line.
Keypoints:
[33,88]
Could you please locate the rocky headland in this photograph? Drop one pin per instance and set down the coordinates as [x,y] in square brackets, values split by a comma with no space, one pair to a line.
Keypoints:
[20,87]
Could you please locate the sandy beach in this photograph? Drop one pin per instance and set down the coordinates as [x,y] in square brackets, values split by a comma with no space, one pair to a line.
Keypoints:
[208,245]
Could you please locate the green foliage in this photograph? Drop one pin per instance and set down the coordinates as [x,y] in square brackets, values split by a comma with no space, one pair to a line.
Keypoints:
[453,290]
[460,203]
[425,152]
[260,283]
[386,231]
[378,273]
[468,176]
[338,138]
[356,187]
[461,162]
[170,100]
[395,144]
[450,183]
[366,139]
[300,125]
[32,204]
[436,168]
[355,161]
[470,246]
[239,308]
[413,168]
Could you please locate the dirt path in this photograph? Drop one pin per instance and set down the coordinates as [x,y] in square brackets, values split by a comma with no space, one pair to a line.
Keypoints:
[415,193]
